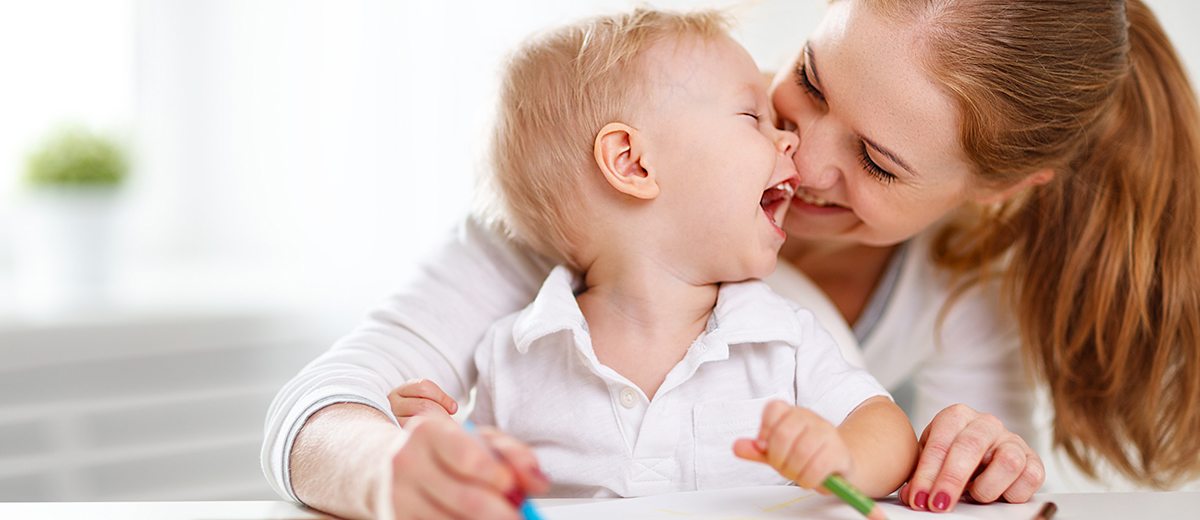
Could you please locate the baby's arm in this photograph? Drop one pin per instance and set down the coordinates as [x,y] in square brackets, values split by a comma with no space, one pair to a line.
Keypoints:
[874,448]
[842,422]
[882,445]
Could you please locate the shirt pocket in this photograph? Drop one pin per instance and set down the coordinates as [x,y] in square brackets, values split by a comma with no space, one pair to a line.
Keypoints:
[717,424]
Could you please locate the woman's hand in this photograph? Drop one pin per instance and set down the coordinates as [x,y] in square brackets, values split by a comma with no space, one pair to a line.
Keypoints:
[964,450]
[420,397]
[799,444]
[439,471]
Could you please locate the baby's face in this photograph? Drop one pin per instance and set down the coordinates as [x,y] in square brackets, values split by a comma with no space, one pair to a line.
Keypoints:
[725,172]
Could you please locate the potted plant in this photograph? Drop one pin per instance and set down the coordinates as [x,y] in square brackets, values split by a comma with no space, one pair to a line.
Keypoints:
[64,232]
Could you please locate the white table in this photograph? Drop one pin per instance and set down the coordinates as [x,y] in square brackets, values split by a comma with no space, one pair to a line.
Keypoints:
[1091,506]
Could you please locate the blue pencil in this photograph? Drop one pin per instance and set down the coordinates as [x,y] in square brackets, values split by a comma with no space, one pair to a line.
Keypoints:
[528,512]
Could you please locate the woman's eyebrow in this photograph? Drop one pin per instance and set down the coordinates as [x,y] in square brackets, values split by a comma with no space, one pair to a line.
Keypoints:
[812,66]
[888,153]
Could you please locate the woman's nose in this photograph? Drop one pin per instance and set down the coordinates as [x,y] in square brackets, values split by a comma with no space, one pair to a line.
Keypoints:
[814,162]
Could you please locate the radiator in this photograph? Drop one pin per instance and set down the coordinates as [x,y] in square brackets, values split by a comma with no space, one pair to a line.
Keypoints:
[144,407]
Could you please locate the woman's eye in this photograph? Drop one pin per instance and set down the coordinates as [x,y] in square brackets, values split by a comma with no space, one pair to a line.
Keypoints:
[869,166]
[802,80]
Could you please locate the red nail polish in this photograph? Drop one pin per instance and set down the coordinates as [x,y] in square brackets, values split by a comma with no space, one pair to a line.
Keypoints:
[922,501]
[516,496]
[941,501]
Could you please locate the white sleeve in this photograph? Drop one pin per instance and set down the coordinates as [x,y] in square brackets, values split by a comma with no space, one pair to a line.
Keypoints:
[977,362]
[429,329]
[825,382]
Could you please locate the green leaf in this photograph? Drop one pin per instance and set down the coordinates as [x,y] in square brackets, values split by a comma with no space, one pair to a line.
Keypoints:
[75,156]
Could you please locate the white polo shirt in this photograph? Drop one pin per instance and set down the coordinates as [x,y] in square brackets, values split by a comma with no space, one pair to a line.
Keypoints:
[597,435]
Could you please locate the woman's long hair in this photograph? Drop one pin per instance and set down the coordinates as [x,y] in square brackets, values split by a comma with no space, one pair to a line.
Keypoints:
[1102,264]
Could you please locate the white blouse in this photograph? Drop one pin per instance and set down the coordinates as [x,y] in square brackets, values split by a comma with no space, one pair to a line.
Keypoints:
[430,328]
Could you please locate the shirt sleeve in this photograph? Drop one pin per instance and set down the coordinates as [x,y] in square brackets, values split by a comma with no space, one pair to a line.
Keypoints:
[977,362]
[825,382]
[428,329]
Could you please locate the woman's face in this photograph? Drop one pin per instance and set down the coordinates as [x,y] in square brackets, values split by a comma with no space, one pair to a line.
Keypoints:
[879,157]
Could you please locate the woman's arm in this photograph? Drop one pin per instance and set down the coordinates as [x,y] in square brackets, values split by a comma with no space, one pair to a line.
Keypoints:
[429,329]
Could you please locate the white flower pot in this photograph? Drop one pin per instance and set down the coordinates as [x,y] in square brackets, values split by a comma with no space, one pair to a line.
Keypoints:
[63,248]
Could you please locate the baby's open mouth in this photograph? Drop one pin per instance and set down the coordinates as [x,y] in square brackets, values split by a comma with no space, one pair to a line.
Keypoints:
[775,200]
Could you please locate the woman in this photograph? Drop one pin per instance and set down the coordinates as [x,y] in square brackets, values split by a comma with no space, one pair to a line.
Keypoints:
[981,180]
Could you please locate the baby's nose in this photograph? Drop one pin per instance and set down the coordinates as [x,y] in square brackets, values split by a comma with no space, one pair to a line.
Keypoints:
[787,142]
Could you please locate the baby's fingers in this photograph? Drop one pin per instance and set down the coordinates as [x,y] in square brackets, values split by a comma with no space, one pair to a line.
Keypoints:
[748,449]
[426,389]
[405,408]
[773,414]
[520,459]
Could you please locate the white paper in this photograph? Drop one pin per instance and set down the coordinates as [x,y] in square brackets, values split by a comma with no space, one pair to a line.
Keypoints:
[765,502]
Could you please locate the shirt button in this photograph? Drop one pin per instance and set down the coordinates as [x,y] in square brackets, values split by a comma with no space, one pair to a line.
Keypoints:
[628,397]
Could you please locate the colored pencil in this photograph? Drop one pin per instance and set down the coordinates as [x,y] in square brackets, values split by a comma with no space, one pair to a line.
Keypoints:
[862,503]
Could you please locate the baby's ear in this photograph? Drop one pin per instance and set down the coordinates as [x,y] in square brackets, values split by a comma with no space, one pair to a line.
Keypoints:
[619,157]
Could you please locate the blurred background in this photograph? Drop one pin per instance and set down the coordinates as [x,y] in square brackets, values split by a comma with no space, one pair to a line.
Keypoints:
[198,197]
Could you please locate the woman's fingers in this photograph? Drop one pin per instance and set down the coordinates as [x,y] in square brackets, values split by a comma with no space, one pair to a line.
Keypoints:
[1029,479]
[964,457]
[1003,468]
[935,445]
[1014,473]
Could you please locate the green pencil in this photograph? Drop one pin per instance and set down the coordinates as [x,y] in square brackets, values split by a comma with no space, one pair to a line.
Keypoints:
[838,486]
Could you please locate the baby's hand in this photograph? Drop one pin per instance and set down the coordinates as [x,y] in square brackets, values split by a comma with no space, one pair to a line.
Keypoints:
[799,444]
[420,397]
[438,470]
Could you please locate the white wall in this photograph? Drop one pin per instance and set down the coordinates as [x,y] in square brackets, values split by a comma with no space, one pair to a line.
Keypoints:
[298,149]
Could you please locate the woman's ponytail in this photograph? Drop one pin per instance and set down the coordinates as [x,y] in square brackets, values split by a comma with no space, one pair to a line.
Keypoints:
[1103,263]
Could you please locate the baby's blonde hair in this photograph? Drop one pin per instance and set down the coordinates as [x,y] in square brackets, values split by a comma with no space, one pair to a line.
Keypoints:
[558,91]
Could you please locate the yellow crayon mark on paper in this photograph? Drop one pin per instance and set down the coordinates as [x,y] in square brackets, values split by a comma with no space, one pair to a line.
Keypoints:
[784,505]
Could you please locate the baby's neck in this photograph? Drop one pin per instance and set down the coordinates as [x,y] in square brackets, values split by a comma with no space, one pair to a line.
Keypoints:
[643,316]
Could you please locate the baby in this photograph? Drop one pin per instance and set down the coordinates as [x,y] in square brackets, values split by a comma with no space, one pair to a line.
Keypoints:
[639,152]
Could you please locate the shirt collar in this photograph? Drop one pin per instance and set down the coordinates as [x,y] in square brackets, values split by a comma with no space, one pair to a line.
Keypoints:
[750,312]
[746,312]
[553,310]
